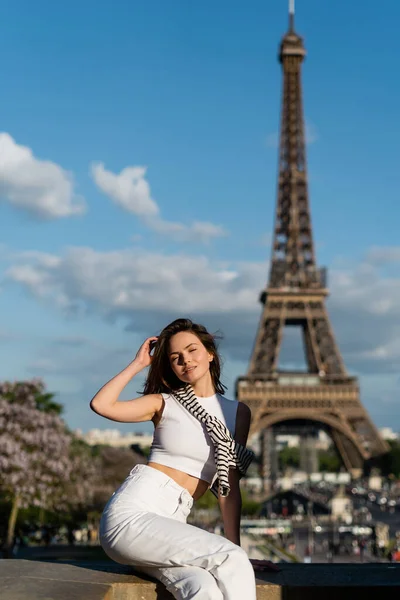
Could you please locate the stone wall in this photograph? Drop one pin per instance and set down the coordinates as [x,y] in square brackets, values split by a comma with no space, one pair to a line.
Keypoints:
[41,580]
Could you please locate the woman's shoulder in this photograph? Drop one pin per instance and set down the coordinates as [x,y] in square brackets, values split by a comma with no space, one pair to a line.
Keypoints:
[166,396]
[167,399]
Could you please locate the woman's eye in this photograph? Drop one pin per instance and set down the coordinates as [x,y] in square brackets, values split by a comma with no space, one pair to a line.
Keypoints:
[194,350]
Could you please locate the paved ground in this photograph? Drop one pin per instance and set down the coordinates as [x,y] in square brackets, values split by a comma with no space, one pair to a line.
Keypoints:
[390,517]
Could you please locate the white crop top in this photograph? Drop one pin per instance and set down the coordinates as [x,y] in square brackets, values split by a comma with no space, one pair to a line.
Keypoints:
[182,442]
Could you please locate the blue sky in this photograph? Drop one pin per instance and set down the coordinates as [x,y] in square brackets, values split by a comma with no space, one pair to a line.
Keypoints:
[138,167]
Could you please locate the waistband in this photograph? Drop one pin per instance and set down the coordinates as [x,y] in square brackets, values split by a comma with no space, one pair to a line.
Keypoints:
[164,480]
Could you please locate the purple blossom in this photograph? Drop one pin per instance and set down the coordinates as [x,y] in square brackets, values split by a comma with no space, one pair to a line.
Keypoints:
[39,461]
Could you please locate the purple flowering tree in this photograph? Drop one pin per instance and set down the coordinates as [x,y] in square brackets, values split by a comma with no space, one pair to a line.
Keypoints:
[35,449]
[115,465]
[78,492]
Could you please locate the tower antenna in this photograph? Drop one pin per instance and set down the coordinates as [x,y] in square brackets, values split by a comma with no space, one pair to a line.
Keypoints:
[291,15]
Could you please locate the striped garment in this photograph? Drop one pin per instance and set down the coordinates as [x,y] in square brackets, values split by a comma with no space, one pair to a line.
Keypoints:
[228,452]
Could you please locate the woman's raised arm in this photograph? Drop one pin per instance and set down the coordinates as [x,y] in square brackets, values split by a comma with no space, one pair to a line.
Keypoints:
[107,404]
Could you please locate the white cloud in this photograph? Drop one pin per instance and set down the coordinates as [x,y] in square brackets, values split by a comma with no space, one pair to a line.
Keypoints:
[384,255]
[362,287]
[198,231]
[129,282]
[312,135]
[131,191]
[146,290]
[38,186]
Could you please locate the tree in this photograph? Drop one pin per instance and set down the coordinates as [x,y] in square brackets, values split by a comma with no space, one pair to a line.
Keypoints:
[35,460]
[249,507]
[389,463]
[289,457]
[43,400]
[114,466]
[329,460]
[77,494]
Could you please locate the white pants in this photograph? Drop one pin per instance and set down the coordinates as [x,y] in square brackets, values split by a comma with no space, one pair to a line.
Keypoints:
[144,525]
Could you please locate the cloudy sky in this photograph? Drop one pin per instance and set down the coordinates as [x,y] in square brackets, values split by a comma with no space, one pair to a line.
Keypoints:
[138,160]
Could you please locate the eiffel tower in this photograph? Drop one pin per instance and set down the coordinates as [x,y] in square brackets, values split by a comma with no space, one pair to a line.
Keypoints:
[325,396]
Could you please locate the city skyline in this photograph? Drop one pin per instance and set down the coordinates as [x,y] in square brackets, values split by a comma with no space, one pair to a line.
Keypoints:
[160,190]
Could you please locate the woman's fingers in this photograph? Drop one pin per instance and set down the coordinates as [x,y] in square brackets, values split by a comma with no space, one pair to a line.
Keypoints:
[143,355]
[264,565]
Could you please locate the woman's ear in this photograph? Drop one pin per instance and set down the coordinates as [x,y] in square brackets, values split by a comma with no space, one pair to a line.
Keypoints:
[210,357]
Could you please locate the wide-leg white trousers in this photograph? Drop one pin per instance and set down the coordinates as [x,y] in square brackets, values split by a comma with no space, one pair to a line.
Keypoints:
[144,525]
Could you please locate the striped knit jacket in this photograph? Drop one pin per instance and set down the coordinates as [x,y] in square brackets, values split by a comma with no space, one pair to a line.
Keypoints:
[229,454]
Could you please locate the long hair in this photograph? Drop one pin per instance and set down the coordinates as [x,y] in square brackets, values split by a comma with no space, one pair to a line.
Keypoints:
[161,377]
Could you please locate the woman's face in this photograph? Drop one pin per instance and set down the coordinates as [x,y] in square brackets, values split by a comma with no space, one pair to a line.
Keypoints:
[189,358]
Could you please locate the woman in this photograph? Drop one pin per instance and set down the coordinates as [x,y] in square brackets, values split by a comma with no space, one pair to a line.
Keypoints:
[144,522]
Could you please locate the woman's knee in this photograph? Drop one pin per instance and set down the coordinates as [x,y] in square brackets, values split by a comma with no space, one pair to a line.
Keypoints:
[195,584]
[239,561]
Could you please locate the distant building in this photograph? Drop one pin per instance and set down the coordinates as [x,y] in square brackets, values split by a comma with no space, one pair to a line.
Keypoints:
[342,506]
[375,482]
[114,437]
[388,434]
[291,440]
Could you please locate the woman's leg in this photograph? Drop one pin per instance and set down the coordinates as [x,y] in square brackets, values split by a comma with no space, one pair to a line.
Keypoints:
[150,540]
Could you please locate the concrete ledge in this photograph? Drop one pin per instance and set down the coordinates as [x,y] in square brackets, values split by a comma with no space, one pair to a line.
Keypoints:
[40,580]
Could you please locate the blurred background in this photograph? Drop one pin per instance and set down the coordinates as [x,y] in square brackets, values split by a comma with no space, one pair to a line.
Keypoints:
[138,171]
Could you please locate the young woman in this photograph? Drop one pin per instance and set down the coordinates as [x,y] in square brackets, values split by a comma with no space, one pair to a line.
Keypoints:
[199,440]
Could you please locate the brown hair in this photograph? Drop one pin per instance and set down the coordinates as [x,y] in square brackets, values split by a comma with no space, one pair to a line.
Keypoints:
[161,377]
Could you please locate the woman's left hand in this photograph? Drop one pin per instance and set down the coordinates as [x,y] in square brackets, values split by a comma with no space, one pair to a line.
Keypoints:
[263,565]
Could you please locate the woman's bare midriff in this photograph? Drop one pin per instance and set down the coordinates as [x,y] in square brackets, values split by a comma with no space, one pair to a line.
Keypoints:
[195,487]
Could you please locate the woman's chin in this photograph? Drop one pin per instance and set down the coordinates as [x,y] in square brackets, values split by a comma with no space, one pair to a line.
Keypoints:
[191,377]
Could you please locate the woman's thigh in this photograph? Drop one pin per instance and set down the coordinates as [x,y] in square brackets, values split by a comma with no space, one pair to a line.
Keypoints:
[153,540]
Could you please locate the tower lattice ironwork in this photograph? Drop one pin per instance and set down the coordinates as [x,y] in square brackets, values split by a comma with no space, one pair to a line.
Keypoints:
[296,296]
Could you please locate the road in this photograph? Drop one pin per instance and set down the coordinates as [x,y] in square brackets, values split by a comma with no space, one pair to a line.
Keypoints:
[303,537]
[390,517]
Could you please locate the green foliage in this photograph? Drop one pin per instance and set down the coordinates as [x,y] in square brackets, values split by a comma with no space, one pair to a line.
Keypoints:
[389,463]
[250,507]
[207,501]
[146,451]
[13,392]
[289,457]
[44,402]
[329,461]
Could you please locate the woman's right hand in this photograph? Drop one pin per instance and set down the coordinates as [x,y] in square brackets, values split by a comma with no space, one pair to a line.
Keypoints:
[143,357]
